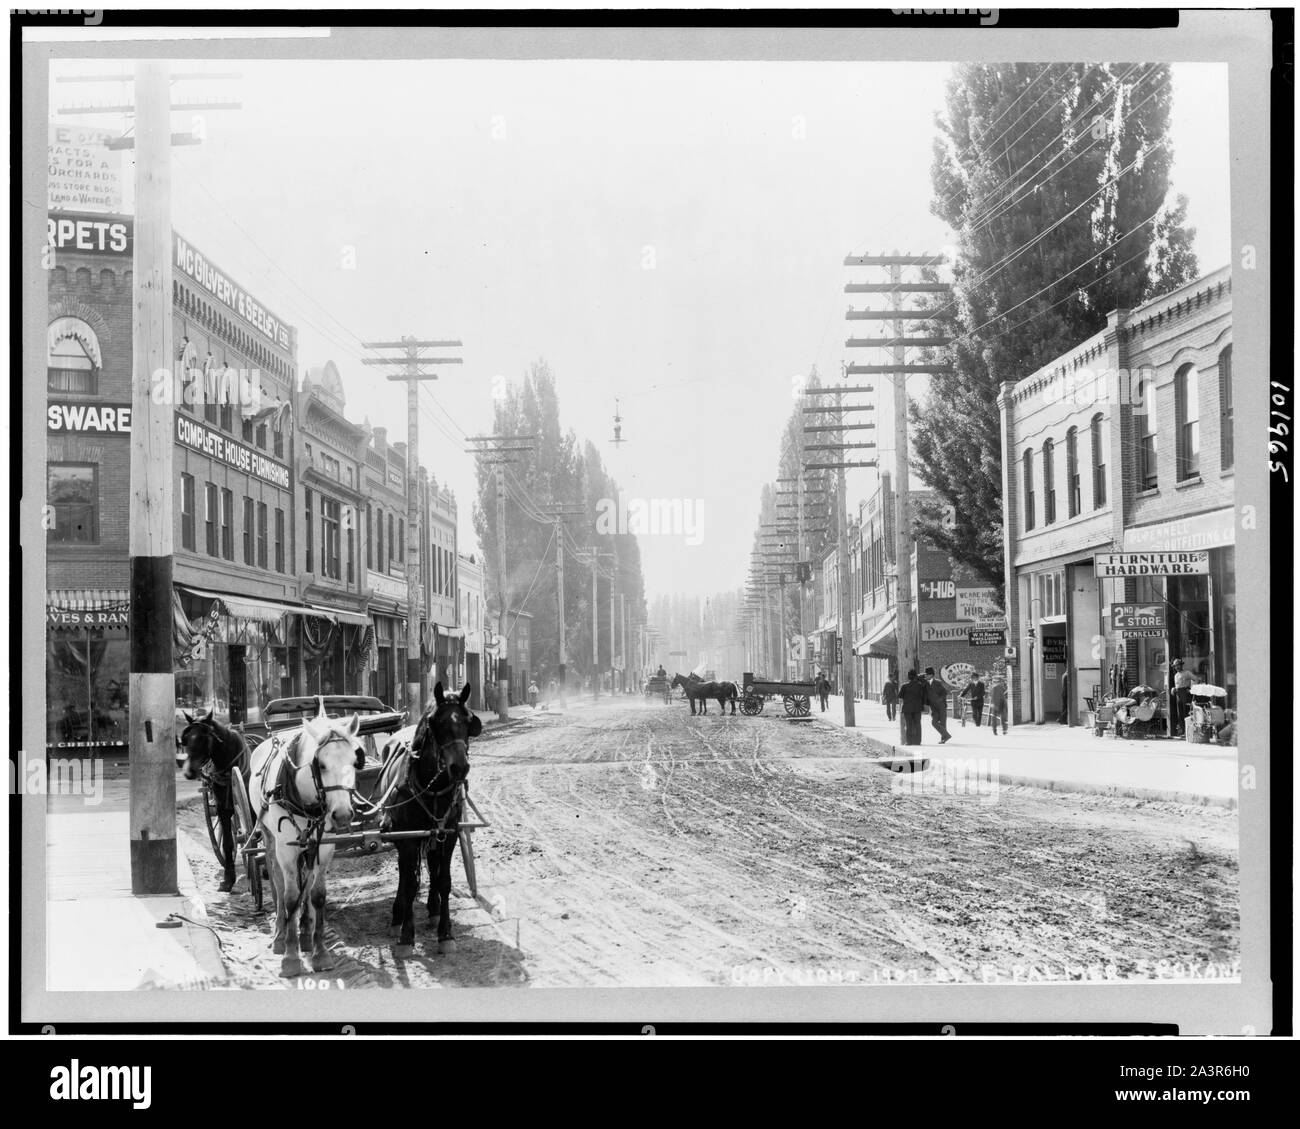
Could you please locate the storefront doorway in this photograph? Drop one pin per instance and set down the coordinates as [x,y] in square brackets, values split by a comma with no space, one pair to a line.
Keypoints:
[1054,665]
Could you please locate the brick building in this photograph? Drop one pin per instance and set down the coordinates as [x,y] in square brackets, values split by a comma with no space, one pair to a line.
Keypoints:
[1118,506]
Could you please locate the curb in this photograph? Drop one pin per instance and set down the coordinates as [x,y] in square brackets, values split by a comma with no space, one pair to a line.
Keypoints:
[888,752]
[201,942]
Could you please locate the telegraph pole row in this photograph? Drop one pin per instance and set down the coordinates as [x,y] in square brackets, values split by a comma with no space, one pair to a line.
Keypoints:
[841,447]
[898,369]
[559,512]
[499,450]
[413,360]
[592,558]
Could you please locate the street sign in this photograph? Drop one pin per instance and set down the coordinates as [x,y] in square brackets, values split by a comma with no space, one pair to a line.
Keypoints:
[1129,617]
[986,637]
[937,589]
[839,650]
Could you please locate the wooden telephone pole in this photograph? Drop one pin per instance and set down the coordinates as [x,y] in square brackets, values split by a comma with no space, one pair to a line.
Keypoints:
[413,361]
[592,558]
[499,450]
[151,680]
[909,657]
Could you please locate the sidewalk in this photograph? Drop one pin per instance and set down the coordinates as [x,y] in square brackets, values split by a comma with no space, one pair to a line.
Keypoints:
[1064,758]
[99,937]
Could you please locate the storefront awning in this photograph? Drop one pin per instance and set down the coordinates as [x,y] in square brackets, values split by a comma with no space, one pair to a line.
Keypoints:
[246,607]
[87,599]
[339,615]
[880,640]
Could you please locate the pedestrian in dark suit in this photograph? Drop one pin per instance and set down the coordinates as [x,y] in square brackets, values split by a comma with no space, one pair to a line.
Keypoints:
[889,695]
[912,699]
[998,707]
[937,700]
[975,692]
[823,689]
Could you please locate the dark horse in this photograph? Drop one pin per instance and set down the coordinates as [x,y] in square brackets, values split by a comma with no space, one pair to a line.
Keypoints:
[722,692]
[425,766]
[208,746]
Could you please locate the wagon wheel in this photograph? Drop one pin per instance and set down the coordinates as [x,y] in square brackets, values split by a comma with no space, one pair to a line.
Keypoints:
[467,857]
[213,821]
[797,705]
[751,705]
[241,825]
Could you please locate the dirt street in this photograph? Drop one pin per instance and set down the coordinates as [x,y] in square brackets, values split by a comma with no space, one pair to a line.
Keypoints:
[633,845]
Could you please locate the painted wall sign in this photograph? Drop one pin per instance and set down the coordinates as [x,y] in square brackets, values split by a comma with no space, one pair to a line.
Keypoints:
[1153,564]
[58,617]
[980,605]
[944,632]
[83,171]
[937,589]
[192,263]
[97,419]
[1204,531]
[190,433]
[93,235]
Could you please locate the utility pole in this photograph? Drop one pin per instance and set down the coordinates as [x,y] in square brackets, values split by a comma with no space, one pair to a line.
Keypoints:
[559,513]
[904,616]
[592,557]
[622,629]
[613,656]
[413,361]
[151,680]
[499,450]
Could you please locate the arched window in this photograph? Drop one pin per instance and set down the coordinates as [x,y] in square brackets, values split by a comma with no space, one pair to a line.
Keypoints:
[1098,430]
[1049,482]
[1187,410]
[1148,471]
[73,359]
[1225,401]
[1074,500]
[1029,490]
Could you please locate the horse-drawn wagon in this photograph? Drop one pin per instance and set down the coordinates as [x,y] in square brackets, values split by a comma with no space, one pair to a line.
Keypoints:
[371,796]
[797,696]
[659,686]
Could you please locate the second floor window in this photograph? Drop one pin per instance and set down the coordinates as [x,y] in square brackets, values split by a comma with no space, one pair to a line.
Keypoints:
[187,511]
[279,540]
[1029,489]
[1148,448]
[401,540]
[1187,412]
[210,517]
[1073,493]
[228,524]
[1225,399]
[248,530]
[261,535]
[330,513]
[379,541]
[307,539]
[1097,430]
[1049,482]
[370,544]
[73,492]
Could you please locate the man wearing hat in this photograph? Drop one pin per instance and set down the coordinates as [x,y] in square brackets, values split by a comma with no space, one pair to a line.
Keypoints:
[937,699]
[1182,682]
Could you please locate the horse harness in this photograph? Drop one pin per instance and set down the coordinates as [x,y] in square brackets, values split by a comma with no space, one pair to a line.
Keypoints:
[285,793]
[418,792]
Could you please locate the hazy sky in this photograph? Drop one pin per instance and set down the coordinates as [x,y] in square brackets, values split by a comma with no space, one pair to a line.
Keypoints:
[670,234]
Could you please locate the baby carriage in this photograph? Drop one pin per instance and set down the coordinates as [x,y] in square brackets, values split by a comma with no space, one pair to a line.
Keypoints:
[1207,715]
[1138,714]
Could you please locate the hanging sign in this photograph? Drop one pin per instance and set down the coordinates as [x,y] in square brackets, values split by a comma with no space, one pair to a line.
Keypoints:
[1153,564]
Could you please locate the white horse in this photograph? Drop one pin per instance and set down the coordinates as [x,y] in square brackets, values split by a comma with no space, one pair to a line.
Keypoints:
[301,786]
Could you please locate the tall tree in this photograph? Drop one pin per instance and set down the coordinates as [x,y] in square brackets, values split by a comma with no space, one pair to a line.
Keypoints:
[1056,180]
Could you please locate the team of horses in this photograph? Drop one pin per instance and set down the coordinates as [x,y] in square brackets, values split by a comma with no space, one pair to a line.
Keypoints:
[302,786]
[698,690]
